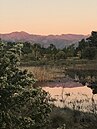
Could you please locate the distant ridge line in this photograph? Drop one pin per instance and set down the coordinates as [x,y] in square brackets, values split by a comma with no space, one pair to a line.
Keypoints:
[59,41]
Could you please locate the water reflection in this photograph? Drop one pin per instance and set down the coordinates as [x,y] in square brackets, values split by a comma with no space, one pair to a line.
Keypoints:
[78,98]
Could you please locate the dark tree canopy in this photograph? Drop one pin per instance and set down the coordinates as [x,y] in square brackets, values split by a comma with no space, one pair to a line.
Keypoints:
[93,39]
[88,47]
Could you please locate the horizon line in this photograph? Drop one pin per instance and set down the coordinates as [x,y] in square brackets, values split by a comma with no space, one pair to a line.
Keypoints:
[43,34]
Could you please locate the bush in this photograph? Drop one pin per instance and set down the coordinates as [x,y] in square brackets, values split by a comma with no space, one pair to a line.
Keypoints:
[22,106]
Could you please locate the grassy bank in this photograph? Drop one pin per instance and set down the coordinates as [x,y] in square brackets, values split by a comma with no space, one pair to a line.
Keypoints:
[85,69]
[67,63]
[45,73]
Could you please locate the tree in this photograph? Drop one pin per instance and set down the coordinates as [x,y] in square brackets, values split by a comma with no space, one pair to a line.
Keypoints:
[70,52]
[93,39]
[82,44]
[88,47]
[89,53]
[61,55]
[51,51]
[22,105]
[37,50]
[27,48]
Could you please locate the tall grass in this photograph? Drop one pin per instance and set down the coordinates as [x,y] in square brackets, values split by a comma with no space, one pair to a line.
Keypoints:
[45,73]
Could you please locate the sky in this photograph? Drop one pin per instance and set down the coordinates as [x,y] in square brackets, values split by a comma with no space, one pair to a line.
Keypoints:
[48,16]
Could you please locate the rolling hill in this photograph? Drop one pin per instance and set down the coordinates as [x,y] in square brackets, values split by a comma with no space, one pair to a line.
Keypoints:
[59,41]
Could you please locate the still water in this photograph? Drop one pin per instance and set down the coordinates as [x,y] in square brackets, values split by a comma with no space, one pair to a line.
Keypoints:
[78,98]
[64,91]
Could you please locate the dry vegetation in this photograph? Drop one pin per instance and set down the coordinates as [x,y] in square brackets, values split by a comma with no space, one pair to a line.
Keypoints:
[45,73]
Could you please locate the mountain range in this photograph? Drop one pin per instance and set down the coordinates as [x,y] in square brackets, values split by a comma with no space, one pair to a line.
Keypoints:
[60,41]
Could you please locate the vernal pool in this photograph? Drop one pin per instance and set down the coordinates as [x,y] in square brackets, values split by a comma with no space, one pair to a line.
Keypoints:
[78,98]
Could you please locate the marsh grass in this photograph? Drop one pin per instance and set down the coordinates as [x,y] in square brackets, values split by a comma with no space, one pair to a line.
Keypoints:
[45,73]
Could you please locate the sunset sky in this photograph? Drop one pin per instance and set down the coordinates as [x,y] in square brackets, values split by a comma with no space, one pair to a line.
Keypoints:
[48,16]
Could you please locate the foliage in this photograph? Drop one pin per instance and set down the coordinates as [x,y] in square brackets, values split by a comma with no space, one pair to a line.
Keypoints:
[88,47]
[26,48]
[89,53]
[61,55]
[37,53]
[92,40]
[22,105]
